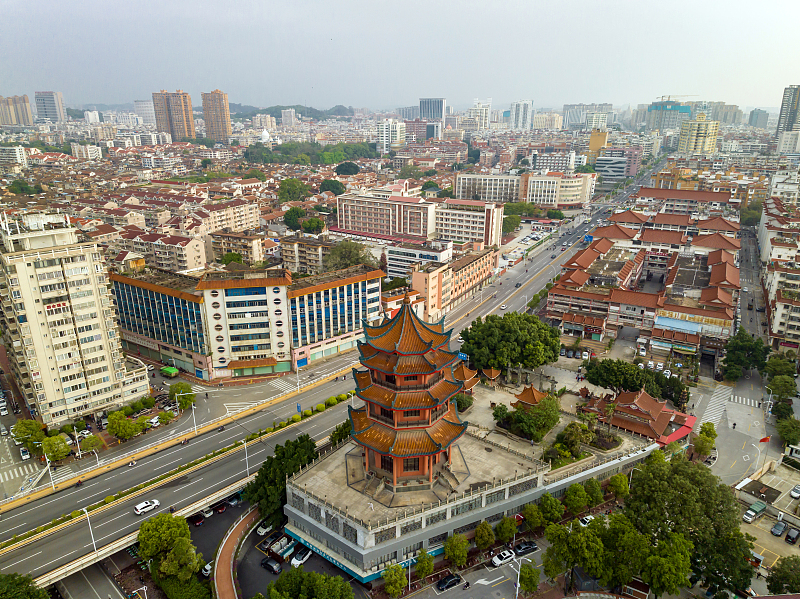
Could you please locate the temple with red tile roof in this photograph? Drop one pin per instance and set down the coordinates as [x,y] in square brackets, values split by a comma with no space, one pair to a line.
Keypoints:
[408,422]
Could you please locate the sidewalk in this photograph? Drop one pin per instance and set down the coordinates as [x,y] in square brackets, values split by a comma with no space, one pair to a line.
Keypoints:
[224,563]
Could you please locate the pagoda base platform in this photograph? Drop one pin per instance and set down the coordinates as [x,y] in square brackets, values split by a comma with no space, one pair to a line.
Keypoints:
[408,492]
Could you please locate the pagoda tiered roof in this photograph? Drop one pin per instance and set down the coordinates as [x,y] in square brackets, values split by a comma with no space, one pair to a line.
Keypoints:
[437,394]
[405,365]
[409,442]
[406,333]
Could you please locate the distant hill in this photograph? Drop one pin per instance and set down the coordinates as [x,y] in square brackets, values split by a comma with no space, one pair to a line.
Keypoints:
[245,112]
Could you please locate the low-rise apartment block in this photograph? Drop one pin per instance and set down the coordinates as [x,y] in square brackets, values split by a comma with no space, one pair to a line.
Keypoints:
[401,257]
[249,247]
[169,252]
[305,254]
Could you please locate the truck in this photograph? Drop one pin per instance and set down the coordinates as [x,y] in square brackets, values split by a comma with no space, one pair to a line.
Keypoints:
[755,510]
[169,372]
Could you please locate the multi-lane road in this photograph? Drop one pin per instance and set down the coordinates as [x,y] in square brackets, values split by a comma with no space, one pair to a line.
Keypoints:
[61,547]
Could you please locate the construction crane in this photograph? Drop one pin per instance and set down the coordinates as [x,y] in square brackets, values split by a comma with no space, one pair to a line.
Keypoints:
[669,98]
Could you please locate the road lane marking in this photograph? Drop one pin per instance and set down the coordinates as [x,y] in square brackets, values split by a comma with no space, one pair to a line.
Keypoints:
[734,463]
[501,582]
[22,560]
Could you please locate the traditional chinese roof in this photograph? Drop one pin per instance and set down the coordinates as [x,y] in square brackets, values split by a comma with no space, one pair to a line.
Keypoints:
[530,396]
[462,373]
[405,365]
[490,373]
[407,442]
[406,333]
[437,394]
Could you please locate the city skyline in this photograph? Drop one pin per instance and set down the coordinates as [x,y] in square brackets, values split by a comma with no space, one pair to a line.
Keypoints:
[314,75]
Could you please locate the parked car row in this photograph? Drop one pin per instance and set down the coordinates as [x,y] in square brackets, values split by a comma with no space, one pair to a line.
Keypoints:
[521,548]
[579,353]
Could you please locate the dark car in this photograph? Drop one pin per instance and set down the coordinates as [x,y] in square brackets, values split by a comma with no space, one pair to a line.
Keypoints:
[553,256]
[563,351]
[761,309]
[779,528]
[518,285]
[525,547]
[273,536]
[448,582]
[270,564]
[219,507]
[233,500]
[196,520]
[569,353]
[792,535]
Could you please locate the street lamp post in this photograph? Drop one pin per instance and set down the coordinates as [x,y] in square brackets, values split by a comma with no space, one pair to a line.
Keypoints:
[518,561]
[49,469]
[86,511]
[630,478]
[769,401]
[94,451]
[351,395]
[142,589]
[193,408]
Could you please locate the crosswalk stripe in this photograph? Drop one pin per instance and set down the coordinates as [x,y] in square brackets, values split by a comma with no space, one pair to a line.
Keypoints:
[753,403]
[283,385]
[716,407]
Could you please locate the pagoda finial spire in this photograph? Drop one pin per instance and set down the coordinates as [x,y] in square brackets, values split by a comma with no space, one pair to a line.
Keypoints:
[406,298]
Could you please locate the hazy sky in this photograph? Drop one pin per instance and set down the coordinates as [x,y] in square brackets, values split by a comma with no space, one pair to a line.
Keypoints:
[382,54]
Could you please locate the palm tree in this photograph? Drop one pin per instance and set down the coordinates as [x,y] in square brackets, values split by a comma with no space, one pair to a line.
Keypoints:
[609,412]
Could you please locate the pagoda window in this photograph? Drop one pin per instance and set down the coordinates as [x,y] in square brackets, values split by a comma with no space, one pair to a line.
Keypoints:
[387,463]
[411,414]
[412,378]
[390,378]
[387,414]
[411,465]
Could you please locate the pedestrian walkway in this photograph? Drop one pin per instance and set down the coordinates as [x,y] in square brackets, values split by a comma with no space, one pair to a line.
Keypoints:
[18,471]
[236,407]
[226,556]
[748,401]
[283,385]
[199,388]
[715,408]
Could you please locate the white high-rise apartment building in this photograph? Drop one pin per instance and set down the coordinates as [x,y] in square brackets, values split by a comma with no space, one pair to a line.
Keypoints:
[432,109]
[481,111]
[596,120]
[521,115]
[13,155]
[145,110]
[60,323]
[391,136]
[50,105]
[547,120]
[288,118]
[91,116]
[86,152]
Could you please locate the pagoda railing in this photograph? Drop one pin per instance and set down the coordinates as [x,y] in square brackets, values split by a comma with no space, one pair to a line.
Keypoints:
[387,385]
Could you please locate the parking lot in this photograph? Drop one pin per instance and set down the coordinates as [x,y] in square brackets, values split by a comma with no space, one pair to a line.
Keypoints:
[770,547]
[783,479]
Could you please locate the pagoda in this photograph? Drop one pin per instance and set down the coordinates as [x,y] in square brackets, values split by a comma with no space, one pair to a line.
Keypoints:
[408,423]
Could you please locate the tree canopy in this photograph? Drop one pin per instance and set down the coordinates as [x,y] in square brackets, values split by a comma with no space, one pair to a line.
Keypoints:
[744,353]
[55,448]
[455,549]
[231,257]
[182,393]
[692,502]
[313,226]
[347,253]
[340,433]
[166,539]
[778,365]
[510,223]
[293,190]
[121,427]
[16,586]
[21,187]
[291,218]
[309,153]
[29,432]
[332,185]
[784,578]
[394,580]
[268,489]
[783,387]
[347,169]
[511,339]
[789,430]
[296,583]
[620,375]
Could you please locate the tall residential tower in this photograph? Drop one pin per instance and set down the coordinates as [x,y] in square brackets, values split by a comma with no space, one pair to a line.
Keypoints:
[15,110]
[174,114]
[521,115]
[60,325]
[217,116]
[50,105]
[789,108]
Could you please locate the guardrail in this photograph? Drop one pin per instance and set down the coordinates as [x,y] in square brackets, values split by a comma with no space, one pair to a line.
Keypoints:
[164,442]
[114,546]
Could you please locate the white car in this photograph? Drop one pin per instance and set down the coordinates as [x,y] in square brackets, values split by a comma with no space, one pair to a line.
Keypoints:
[3,411]
[84,434]
[795,492]
[206,571]
[585,521]
[460,339]
[650,365]
[642,351]
[207,512]
[150,367]
[263,528]
[585,355]
[745,289]
[146,506]
[659,366]
[24,453]
[502,558]
[641,366]
[668,373]
[301,557]
[503,307]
